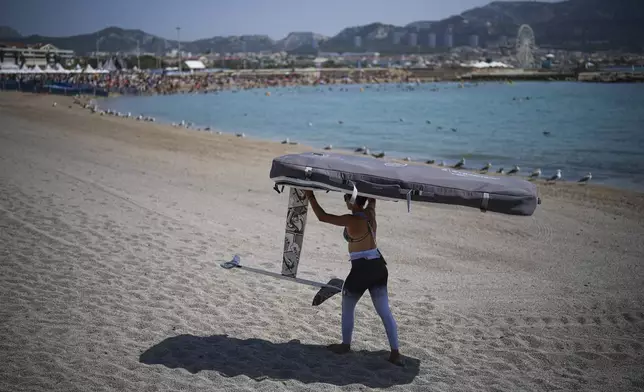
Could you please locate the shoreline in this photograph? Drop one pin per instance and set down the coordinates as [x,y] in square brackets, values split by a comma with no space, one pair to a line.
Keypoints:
[562,188]
[423,161]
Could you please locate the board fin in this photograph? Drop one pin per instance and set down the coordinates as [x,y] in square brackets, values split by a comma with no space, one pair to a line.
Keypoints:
[332,288]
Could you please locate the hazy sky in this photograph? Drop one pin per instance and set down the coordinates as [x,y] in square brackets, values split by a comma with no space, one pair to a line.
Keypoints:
[207,18]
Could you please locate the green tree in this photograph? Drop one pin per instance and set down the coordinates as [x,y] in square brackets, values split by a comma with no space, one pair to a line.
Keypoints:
[329,64]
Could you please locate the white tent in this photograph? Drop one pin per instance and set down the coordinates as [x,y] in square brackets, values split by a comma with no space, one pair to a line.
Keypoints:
[194,65]
[89,69]
[57,68]
[9,68]
[109,65]
[483,64]
[49,69]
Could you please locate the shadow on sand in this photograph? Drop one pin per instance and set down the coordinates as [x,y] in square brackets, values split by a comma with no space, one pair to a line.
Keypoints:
[261,359]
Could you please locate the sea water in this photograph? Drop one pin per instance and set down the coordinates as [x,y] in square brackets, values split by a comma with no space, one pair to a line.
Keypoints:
[575,127]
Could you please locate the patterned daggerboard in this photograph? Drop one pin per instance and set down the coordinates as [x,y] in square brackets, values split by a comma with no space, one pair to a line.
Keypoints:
[298,206]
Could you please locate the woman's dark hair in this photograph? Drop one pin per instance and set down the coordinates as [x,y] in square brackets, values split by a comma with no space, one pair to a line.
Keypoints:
[361,201]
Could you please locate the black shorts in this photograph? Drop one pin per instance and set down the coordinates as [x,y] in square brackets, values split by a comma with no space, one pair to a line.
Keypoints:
[366,274]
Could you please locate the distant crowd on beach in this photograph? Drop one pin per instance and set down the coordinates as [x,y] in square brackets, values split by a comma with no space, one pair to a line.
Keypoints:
[142,83]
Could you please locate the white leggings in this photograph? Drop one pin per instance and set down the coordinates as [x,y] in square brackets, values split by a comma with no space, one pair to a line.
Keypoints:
[380,300]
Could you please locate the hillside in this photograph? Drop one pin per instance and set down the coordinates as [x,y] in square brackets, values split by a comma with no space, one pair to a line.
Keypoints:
[571,24]
[7,32]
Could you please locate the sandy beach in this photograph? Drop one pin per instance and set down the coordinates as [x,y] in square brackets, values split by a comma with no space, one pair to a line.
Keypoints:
[112,232]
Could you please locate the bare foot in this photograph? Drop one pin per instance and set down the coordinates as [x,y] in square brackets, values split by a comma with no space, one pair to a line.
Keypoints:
[395,358]
[340,348]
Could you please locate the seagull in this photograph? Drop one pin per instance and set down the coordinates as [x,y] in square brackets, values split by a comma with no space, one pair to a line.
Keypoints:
[430,162]
[360,149]
[536,174]
[428,122]
[514,170]
[379,155]
[460,164]
[500,171]
[329,147]
[586,178]
[442,163]
[453,129]
[556,176]
[408,159]
[340,122]
[286,141]
[486,167]
[546,133]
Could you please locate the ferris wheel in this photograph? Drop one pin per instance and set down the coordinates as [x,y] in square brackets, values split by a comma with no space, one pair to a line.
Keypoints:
[525,46]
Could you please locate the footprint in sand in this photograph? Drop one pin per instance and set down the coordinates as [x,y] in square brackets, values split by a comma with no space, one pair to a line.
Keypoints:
[628,317]
[532,341]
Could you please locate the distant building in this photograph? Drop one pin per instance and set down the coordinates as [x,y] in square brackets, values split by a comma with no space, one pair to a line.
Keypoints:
[413,39]
[449,39]
[357,41]
[30,55]
[432,40]
[474,41]
[398,36]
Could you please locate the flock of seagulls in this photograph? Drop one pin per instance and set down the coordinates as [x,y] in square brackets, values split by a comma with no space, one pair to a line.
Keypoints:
[535,175]
[93,107]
